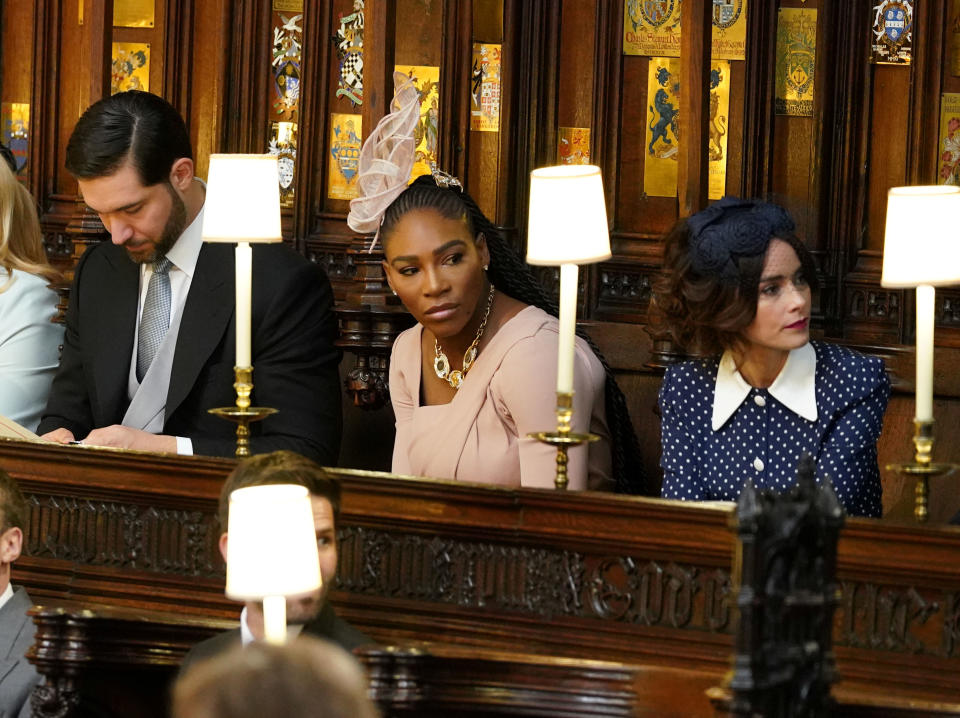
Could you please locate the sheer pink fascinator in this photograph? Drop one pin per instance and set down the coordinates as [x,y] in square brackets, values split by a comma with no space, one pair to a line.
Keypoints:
[386,159]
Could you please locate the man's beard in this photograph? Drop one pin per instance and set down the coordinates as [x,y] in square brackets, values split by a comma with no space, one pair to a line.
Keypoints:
[306,609]
[176,223]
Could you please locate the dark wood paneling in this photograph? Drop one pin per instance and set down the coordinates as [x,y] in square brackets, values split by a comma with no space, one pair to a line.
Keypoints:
[693,166]
[245,115]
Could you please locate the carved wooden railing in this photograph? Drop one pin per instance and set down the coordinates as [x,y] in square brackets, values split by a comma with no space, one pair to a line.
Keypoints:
[583,575]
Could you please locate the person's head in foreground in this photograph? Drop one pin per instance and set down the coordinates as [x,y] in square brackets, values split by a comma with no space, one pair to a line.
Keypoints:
[736,278]
[306,678]
[286,467]
[13,515]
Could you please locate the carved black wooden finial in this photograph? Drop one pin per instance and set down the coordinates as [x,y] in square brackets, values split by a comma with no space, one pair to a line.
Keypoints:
[784,663]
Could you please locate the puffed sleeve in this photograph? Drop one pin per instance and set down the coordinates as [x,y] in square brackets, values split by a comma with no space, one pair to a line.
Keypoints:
[848,452]
[405,351]
[681,472]
[525,391]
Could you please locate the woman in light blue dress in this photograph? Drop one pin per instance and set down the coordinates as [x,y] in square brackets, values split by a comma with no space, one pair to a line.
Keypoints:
[29,340]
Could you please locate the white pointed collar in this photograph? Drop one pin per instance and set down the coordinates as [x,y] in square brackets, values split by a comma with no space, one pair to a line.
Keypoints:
[794,387]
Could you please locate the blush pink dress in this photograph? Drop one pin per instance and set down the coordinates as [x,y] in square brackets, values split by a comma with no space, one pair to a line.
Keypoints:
[481,435]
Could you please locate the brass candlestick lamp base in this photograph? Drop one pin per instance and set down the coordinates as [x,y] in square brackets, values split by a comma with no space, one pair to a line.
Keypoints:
[922,467]
[243,414]
[563,438]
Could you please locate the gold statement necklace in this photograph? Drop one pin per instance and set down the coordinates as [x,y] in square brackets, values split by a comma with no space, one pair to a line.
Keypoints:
[441,365]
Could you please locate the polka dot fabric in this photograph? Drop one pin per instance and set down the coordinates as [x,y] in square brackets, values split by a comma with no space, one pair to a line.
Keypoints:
[763,440]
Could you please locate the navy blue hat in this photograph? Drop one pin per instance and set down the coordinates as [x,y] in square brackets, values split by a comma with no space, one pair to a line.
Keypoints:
[733,228]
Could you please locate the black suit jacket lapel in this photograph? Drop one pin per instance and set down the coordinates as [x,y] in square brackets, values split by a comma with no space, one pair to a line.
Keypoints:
[207,312]
[115,298]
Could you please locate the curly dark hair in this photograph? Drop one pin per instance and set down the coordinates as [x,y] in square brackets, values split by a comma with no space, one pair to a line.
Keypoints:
[704,313]
[512,276]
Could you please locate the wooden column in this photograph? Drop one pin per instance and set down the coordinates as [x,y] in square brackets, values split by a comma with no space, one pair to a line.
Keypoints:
[245,117]
[379,28]
[692,174]
[314,110]
[457,52]
[760,73]
[930,57]
[101,40]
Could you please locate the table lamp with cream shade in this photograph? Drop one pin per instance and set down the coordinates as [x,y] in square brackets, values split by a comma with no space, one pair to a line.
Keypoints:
[567,228]
[922,249]
[271,551]
[242,205]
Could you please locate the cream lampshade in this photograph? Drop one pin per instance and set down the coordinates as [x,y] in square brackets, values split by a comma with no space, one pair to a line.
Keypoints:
[568,216]
[921,249]
[243,199]
[567,227]
[271,550]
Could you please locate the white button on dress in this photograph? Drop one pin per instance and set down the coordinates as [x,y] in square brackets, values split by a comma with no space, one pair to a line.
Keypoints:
[759,400]
[758,464]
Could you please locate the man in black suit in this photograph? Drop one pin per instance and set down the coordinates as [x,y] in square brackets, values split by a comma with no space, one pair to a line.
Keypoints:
[133,162]
[313,614]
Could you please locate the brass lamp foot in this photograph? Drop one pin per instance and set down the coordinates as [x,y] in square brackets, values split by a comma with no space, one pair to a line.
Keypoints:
[563,438]
[922,468]
[243,414]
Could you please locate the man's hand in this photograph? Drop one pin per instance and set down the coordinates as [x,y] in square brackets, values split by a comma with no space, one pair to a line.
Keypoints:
[59,436]
[123,437]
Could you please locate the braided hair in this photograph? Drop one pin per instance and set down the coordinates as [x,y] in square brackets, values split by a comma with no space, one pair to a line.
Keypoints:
[512,276]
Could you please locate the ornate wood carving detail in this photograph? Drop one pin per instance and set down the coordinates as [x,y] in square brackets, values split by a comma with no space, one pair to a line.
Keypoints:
[55,698]
[58,246]
[889,618]
[951,625]
[103,533]
[367,384]
[626,286]
[337,265]
[948,309]
[541,582]
[874,304]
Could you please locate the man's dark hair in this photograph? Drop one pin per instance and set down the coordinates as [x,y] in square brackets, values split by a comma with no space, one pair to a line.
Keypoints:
[13,507]
[279,467]
[133,126]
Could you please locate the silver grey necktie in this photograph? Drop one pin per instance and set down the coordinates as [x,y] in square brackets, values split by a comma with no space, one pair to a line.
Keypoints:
[156,316]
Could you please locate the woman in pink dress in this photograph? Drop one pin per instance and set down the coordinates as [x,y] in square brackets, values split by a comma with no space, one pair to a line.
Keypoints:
[478,371]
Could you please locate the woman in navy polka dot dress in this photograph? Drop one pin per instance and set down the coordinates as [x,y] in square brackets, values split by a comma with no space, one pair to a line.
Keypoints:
[737,291]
